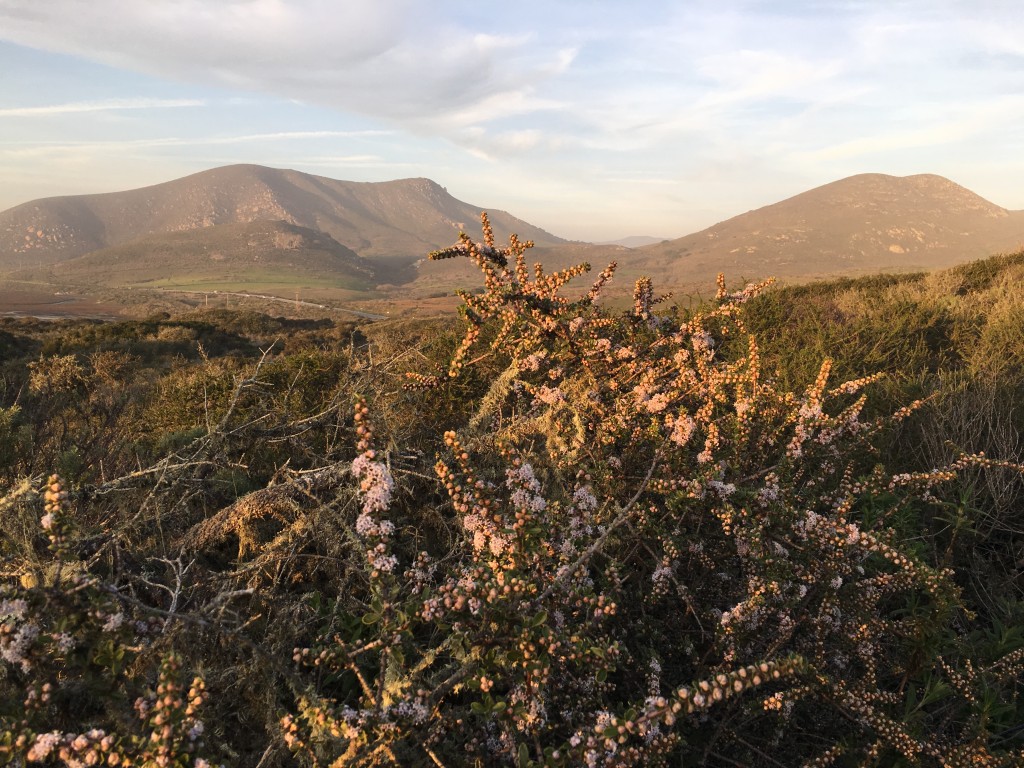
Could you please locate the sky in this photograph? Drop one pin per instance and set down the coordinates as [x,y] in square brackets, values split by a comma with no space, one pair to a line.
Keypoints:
[590,118]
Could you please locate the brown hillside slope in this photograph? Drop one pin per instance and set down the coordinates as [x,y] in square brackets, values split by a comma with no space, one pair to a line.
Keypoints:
[256,252]
[860,224]
[395,219]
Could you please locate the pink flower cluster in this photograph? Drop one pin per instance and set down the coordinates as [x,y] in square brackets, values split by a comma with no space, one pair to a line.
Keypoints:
[375,483]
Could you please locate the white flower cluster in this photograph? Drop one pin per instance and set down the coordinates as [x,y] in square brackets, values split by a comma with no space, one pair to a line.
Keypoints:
[741,297]
[662,574]
[44,744]
[549,395]
[584,499]
[383,562]
[375,486]
[682,430]
[532,362]
[525,488]
[485,534]
[415,711]
[649,399]
[377,554]
[770,491]
[375,483]
[14,650]
[703,342]
[13,609]
[724,490]
[806,526]
[368,526]
[810,414]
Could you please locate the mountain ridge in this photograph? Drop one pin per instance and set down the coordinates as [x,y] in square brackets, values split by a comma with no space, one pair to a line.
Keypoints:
[866,222]
[373,236]
[390,219]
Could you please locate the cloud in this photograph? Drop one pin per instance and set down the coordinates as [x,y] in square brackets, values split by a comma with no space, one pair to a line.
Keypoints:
[51,148]
[391,59]
[757,75]
[957,126]
[277,136]
[107,105]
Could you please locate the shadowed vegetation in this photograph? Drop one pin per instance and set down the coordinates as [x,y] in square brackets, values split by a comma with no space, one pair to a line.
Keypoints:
[548,534]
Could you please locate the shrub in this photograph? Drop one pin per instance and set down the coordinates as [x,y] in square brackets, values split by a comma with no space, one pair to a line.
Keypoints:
[663,559]
[637,548]
[68,644]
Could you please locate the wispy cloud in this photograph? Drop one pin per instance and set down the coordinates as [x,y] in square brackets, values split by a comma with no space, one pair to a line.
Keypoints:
[277,136]
[341,161]
[106,105]
[395,59]
[968,123]
[30,148]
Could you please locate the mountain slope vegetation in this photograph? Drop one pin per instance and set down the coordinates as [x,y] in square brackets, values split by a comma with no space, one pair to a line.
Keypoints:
[256,254]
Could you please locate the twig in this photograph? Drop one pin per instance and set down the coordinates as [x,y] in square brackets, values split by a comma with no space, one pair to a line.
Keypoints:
[179,577]
[298,685]
[566,572]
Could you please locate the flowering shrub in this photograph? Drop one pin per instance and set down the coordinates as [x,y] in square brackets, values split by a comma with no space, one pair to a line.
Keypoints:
[634,547]
[663,558]
[69,647]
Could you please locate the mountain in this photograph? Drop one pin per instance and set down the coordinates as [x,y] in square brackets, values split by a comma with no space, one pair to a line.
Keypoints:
[246,226]
[863,223]
[394,221]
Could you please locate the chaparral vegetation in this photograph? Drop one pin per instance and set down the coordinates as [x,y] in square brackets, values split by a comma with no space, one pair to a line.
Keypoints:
[781,527]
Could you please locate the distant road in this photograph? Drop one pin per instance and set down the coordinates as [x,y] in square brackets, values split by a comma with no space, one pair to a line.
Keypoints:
[293,302]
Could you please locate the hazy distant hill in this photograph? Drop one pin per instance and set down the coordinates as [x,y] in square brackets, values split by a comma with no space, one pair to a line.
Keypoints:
[633,241]
[862,223]
[393,220]
[253,253]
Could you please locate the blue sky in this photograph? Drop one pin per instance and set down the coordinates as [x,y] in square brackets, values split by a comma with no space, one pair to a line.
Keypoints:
[594,120]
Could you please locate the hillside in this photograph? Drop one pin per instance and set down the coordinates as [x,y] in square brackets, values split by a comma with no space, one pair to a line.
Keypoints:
[396,220]
[257,253]
[856,225]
